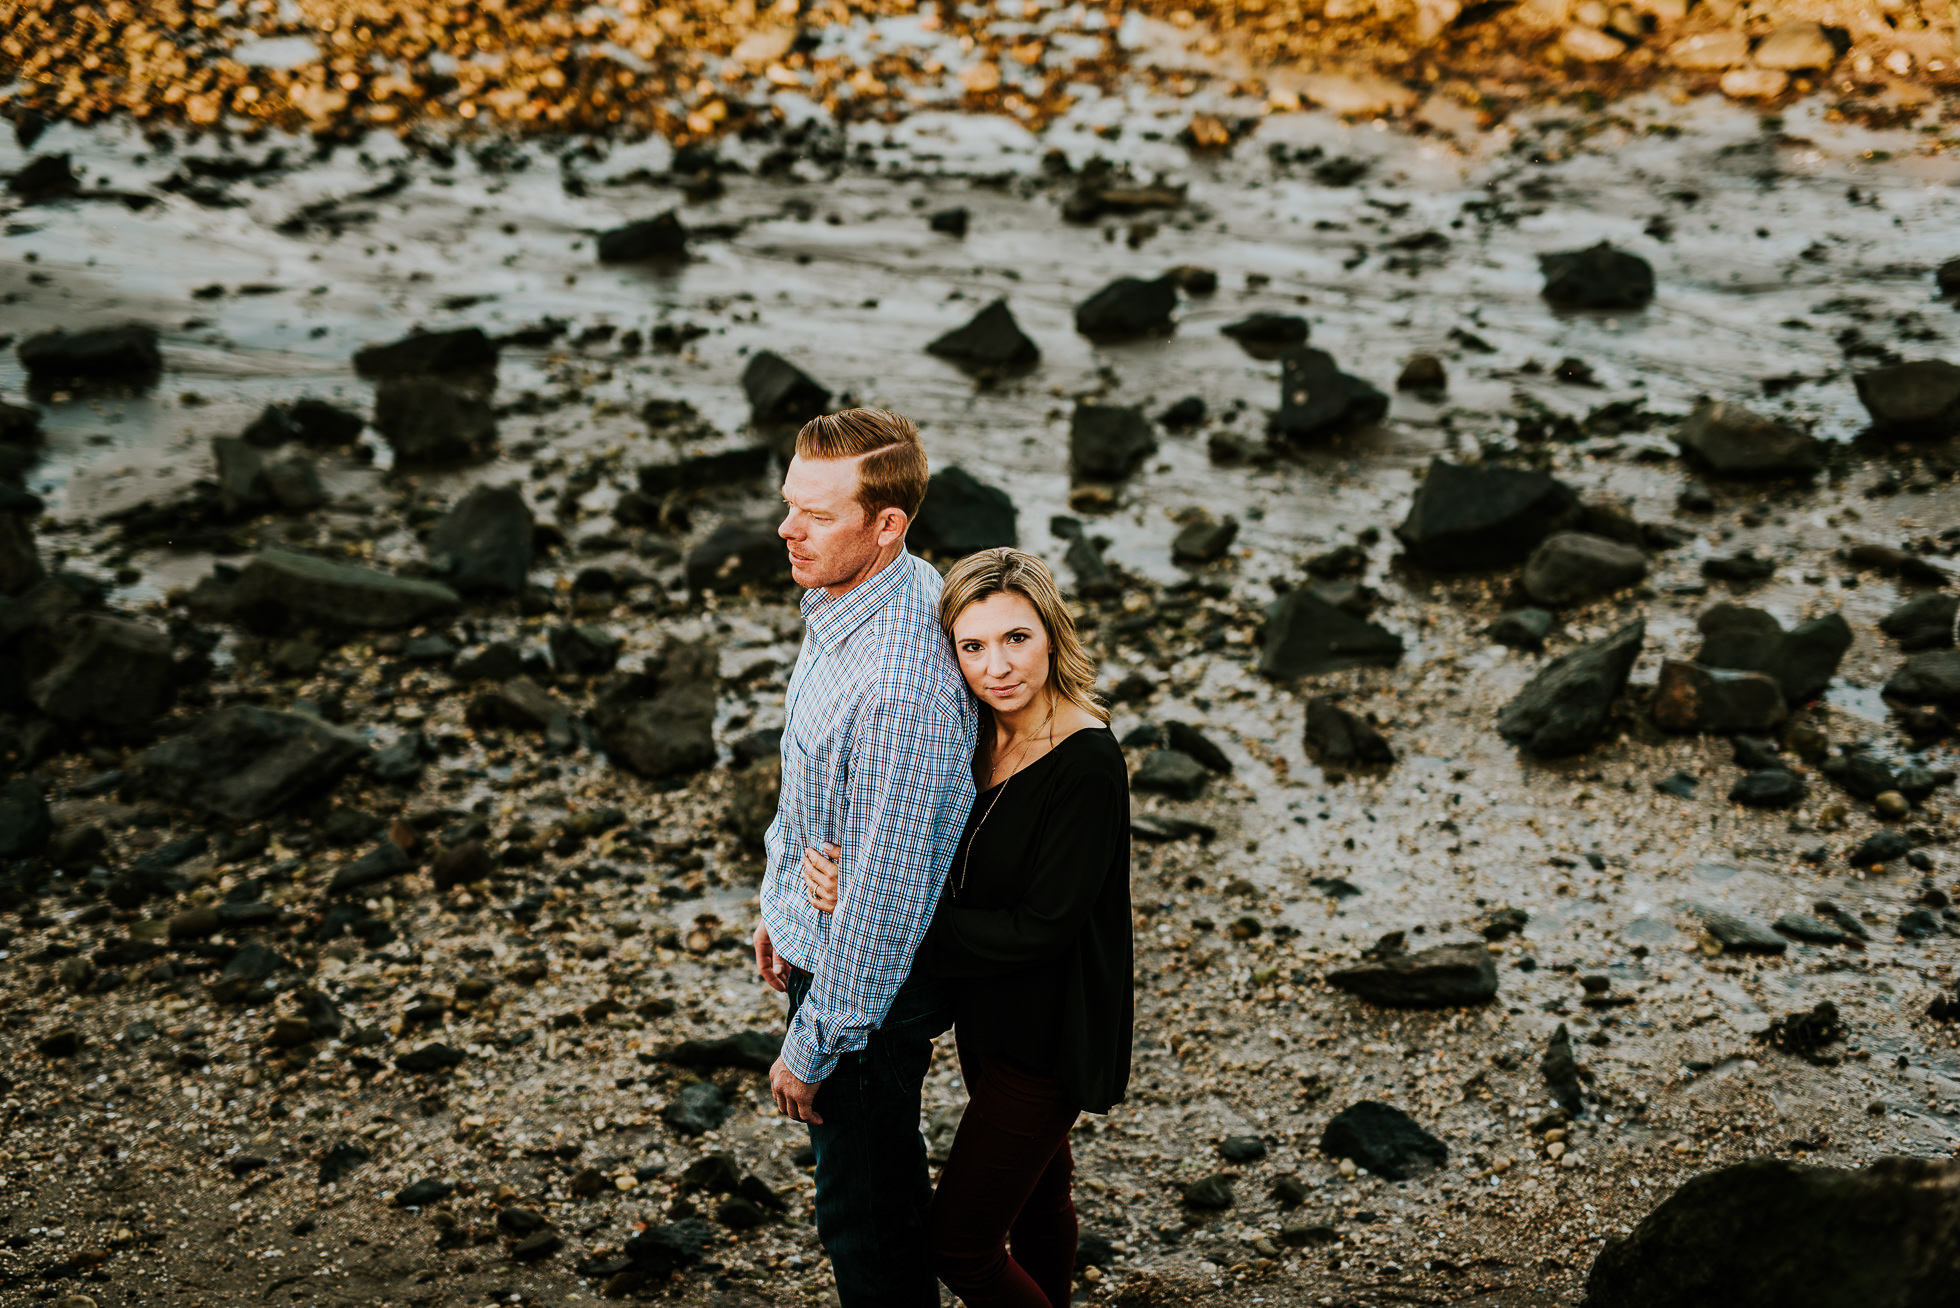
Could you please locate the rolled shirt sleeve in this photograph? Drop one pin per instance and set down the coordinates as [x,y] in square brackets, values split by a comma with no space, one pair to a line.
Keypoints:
[909,782]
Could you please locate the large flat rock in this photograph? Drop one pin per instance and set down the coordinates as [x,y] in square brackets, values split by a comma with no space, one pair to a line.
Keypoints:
[313,589]
[1448,976]
[1768,1233]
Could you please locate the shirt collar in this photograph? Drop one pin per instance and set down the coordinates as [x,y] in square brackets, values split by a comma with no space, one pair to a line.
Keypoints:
[829,619]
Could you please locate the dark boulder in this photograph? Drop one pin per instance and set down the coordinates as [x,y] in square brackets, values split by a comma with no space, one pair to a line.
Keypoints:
[500,660]
[1483,516]
[1598,277]
[1947,277]
[660,723]
[1895,562]
[25,826]
[1187,739]
[1860,774]
[307,420]
[1924,622]
[1128,306]
[781,392]
[1093,576]
[736,554]
[1732,441]
[1267,335]
[343,595]
[990,342]
[111,675]
[294,485]
[724,468]
[240,474]
[462,349]
[698,1109]
[1564,709]
[429,419]
[1693,698]
[483,545]
[340,1161]
[948,222]
[523,705]
[1801,661]
[1769,1233]
[43,178]
[1424,375]
[752,1051]
[662,237]
[1920,399]
[20,560]
[248,763]
[584,650]
[1170,772]
[1107,441]
[1184,414]
[430,1059]
[246,972]
[1740,935]
[1879,848]
[1203,540]
[20,424]
[402,763]
[1929,678]
[1209,1193]
[653,1255]
[381,863]
[1521,628]
[127,353]
[1447,976]
[962,514]
[1736,636]
[1768,788]
[1339,738]
[1384,1140]
[1317,399]
[1561,1072]
[1306,635]
[1573,566]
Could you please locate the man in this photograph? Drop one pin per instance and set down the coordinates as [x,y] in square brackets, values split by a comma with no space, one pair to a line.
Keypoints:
[877,761]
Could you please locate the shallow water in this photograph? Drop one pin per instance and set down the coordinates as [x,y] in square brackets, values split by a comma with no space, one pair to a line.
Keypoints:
[1769,261]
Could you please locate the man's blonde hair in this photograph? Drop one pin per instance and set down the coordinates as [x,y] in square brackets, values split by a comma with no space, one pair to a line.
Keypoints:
[892,471]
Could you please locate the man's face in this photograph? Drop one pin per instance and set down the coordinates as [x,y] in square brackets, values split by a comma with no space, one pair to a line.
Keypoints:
[832,540]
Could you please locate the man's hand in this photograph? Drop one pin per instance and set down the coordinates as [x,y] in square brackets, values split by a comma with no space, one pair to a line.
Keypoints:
[774,970]
[797,1100]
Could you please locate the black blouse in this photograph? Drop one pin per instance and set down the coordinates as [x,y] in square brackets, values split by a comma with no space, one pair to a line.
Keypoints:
[1034,924]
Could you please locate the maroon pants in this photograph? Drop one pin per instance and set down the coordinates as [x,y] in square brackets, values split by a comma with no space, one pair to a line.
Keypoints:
[1008,1177]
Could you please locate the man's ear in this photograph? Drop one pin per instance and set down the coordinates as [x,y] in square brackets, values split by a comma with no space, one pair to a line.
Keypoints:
[892,522]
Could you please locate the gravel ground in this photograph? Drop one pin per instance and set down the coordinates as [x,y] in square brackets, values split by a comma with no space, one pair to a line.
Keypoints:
[166,1134]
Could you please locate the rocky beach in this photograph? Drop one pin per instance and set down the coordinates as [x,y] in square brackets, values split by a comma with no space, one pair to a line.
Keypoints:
[1511,485]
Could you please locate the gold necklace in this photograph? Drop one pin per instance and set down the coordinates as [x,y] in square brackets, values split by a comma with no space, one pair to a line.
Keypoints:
[1001,789]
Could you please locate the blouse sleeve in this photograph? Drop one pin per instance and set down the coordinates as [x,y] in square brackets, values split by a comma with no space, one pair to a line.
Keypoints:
[1087,826]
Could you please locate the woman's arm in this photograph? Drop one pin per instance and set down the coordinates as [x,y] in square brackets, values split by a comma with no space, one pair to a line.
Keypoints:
[1088,822]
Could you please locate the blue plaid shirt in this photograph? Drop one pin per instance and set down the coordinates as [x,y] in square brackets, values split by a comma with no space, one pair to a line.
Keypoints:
[878,759]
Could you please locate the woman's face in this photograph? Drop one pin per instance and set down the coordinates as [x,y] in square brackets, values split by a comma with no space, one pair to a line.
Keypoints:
[1003,651]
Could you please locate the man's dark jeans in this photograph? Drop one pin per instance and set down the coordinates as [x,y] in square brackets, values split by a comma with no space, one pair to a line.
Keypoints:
[874,1196]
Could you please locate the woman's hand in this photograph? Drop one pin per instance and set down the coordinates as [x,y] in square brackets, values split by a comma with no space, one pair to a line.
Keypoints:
[820,877]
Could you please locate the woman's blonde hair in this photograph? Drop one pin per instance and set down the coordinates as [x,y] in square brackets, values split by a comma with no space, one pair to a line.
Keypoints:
[1008,571]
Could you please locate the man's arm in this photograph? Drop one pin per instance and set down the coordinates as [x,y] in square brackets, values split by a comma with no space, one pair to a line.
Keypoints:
[910,779]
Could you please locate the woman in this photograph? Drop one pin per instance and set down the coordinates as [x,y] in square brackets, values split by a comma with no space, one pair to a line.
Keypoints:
[1032,933]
